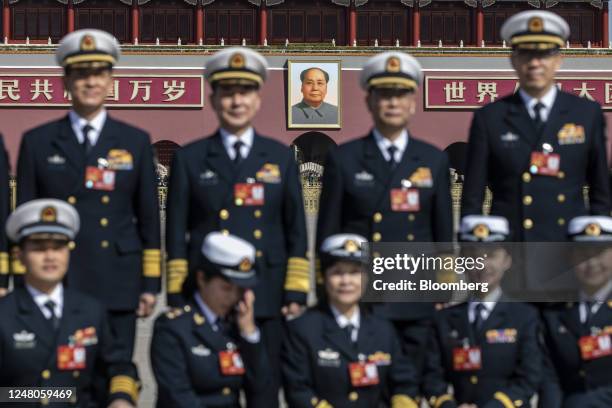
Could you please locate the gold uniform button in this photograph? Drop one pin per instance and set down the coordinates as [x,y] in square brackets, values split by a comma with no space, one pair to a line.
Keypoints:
[376,254]
[410,237]
[104,244]
[527,223]
[411,217]
[474,379]
[76,374]
[518,403]
[105,199]
[377,217]
[224,214]
[526,177]
[46,374]
[527,200]
[225,232]
[226,391]
[314,401]
[239,201]
[257,234]
[104,222]
[72,200]
[353,396]
[257,213]
[561,221]
[561,198]
[561,175]
[44,401]
[71,245]
[376,237]
[259,254]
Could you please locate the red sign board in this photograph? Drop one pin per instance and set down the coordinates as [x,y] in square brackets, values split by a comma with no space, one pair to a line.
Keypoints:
[128,91]
[471,92]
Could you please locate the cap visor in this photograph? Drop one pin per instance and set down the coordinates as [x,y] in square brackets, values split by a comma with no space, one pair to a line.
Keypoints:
[246,279]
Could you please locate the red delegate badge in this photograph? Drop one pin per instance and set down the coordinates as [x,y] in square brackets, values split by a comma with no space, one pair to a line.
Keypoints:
[231,363]
[71,357]
[363,373]
[249,194]
[99,179]
[467,359]
[405,199]
[545,164]
[596,346]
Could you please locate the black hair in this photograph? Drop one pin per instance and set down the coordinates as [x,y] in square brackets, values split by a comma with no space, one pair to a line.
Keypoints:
[303,73]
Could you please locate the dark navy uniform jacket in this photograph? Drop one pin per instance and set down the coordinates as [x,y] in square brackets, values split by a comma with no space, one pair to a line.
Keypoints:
[511,365]
[29,349]
[201,199]
[577,382]
[502,138]
[117,253]
[316,355]
[185,360]
[356,198]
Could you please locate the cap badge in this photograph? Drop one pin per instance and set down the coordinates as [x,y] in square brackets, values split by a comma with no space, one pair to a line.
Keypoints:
[593,230]
[48,214]
[237,61]
[393,64]
[481,231]
[535,25]
[245,265]
[351,246]
[88,43]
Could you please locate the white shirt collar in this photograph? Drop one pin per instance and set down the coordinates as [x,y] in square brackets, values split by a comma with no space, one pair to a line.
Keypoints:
[547,100]
[96,123]
[383,144]
[344,321]
[488,302]
[230,139]
[210,316]
[40,298]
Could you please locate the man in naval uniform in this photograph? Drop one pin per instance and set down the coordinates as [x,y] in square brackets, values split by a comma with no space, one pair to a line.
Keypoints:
[538,148]
[312,109]
[241,183]
[104,168]
[390,186]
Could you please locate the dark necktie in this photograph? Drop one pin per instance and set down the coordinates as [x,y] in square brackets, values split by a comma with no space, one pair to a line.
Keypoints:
[348,330]
[238,157]
[588,305]
[392,163]
[478,320]
[222,325]
[537,119]
[86,142]
[50,305]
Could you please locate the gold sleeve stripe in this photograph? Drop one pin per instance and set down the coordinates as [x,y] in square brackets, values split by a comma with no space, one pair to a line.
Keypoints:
[4,263]
[403,401]
[298,275]
[126,385]
[151,263]
[177,273]
[296,262]
[504,399]
[324,404]
[441,400]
